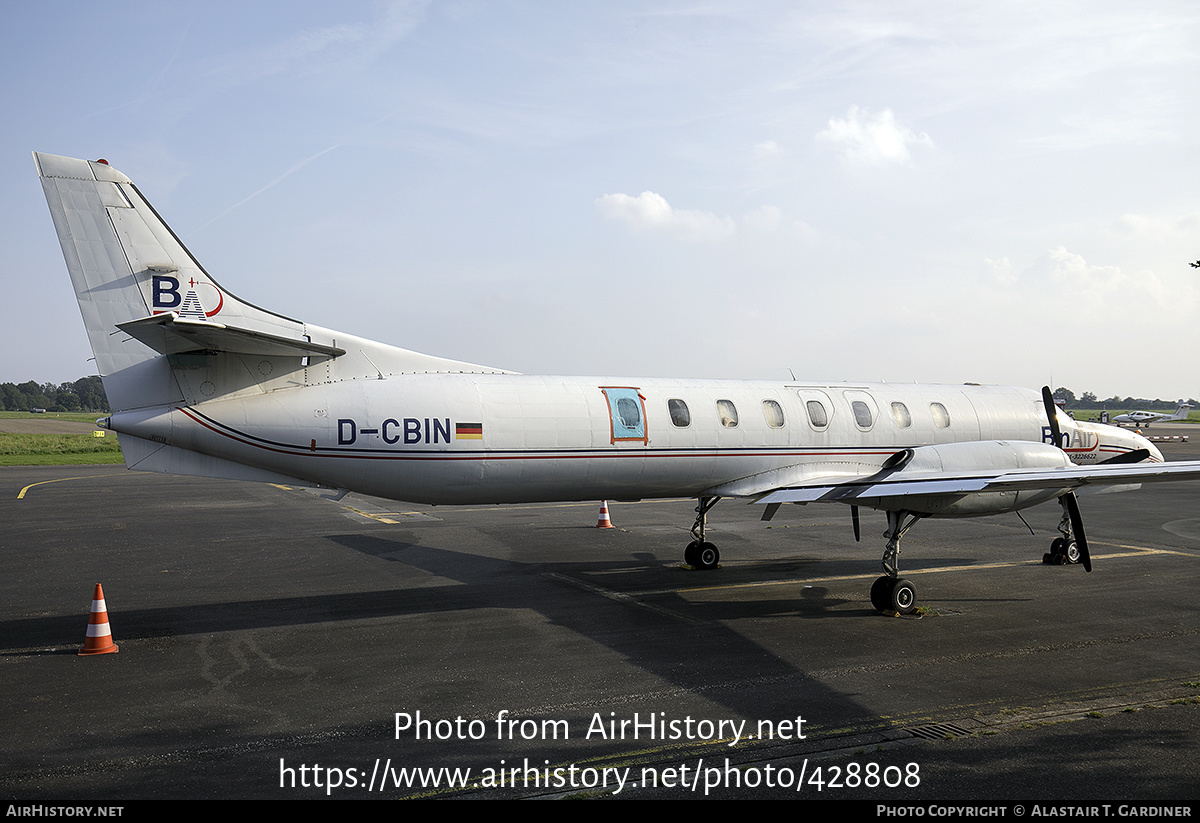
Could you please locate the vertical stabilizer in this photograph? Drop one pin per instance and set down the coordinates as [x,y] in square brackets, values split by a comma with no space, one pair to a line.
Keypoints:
[82,196]
[162,329]
[142,294]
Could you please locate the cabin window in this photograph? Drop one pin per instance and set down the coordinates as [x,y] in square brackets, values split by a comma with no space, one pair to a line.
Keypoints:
[727,414]
[817,416]
[774,414]
[628,411]
[900,416]
[681,418]
[862,414]
[941,417]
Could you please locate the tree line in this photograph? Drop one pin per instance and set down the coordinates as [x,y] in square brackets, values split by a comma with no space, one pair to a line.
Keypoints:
[84,395]
[1088,400]
[87,395]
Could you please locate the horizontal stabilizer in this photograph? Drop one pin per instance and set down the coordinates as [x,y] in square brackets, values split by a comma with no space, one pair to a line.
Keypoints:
[168,333]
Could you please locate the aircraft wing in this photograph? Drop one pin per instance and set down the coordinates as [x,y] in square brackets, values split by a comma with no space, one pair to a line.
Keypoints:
[979,481]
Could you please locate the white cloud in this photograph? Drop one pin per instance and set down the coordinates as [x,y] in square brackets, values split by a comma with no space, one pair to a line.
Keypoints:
[1081,294]
[864,139]
[650,211]
[1002,270]
[767,148]
[764,219]
[1160,229]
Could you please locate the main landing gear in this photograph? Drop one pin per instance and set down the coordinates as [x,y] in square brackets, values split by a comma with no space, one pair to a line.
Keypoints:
[700,554]
[891,592]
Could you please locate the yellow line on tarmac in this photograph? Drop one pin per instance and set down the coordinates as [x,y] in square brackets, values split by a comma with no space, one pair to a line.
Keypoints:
[1142,550]
[21,494]
[434,510]
[1137,551]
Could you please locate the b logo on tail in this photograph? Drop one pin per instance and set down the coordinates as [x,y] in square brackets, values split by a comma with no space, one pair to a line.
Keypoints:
[165,296]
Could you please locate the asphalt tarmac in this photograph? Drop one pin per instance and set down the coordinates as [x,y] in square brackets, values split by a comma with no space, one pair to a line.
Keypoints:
[278,644]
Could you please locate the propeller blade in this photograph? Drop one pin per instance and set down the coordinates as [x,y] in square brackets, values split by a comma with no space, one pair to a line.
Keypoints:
[1052,415]
[1077,530]
[854,520]
[1135,456]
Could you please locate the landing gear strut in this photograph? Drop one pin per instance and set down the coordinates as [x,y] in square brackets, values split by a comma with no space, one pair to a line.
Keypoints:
[700,554]
[891,592]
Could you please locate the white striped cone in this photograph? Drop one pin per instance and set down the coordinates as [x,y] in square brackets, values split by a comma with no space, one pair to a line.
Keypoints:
[604,522]
[99,636]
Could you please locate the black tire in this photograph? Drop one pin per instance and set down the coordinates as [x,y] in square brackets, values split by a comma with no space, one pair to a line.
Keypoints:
[903,597]
[691,555]
[879,593]
[1071,555]
[707,556]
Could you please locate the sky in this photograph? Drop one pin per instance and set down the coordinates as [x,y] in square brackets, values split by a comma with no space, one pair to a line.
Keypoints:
[937,192]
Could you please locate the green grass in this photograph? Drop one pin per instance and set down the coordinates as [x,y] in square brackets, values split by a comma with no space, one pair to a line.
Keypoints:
[58,449]
[78,417]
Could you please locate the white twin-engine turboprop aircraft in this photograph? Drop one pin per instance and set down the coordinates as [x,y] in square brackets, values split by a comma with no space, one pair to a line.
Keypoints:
[202,383]
[1145,418]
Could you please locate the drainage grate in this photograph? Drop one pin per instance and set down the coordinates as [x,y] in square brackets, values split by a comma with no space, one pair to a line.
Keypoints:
[938,731]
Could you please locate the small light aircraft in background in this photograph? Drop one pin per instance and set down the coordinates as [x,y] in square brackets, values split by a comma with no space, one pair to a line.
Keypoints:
[203,383]
[1145,418]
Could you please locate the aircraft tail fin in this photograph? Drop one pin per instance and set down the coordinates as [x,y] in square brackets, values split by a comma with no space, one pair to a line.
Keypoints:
[162,329]
[144,298]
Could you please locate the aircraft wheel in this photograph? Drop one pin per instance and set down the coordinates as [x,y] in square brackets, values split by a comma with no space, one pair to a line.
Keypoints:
[903,596]
[707,556]
[691,555]
[1071,555]
[880,593]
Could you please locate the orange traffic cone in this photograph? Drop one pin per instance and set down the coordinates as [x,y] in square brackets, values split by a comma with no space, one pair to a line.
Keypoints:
[99,637]
[604,522]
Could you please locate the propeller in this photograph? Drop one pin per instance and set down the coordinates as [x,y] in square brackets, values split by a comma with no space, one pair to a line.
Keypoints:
[1072,505]
[1135,456]
[1052,415]
[1085,556]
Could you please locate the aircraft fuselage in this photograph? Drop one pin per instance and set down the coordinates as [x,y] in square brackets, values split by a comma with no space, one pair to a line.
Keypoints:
[504,438]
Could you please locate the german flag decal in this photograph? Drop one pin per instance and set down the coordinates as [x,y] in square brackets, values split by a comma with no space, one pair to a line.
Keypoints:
[468,431]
